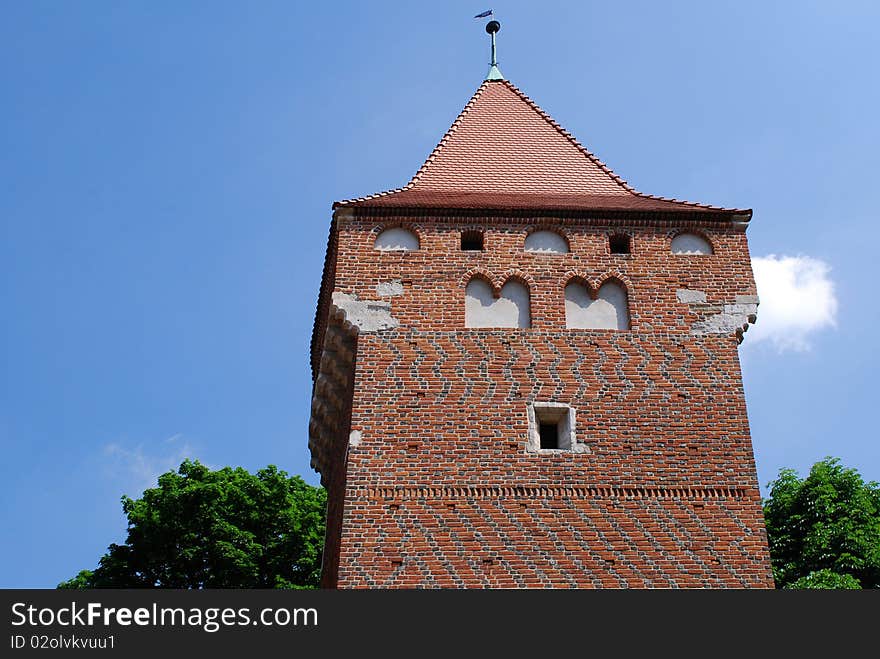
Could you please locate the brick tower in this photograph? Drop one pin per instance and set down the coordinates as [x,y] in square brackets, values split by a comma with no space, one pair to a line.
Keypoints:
[526,374]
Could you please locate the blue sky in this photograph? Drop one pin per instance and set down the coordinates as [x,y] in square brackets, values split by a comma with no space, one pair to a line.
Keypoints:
[167,170]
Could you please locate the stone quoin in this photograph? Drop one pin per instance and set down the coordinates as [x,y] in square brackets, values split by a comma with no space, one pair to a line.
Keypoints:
[526,374]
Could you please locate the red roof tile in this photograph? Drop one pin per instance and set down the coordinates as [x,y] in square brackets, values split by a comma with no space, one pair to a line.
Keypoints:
[504,152]
[417,199]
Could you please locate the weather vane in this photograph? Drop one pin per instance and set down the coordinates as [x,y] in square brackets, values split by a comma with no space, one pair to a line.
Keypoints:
[492,28]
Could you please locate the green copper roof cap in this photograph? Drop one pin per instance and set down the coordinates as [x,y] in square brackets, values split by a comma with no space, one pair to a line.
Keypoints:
[494,73]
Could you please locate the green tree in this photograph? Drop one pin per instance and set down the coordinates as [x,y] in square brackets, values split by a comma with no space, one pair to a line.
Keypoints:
[824,530]
[217,529]
[81,580]
[825,580]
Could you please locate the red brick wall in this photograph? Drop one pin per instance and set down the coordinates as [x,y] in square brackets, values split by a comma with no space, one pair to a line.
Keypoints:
[501,541]
[441,492]
[437,273]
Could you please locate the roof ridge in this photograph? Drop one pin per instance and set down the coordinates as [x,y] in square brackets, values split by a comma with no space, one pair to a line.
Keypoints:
[439,147]
[571,138]
[449,133]
[605,168]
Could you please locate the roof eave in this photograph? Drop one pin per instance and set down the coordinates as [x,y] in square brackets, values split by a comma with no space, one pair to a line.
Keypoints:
[733,216]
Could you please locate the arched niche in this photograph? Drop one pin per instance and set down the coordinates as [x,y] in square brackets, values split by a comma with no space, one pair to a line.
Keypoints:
[610,309]
[546,242]
[483,309]
[690,243]
[396,239]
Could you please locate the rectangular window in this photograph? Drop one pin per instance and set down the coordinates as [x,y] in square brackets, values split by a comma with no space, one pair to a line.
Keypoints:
[552,429]
[472,241]
[619,244]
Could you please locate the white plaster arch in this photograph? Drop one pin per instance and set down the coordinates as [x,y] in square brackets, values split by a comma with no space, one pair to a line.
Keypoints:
[546,242]
[610,309]
[396,239]
[509,309]
[690,243]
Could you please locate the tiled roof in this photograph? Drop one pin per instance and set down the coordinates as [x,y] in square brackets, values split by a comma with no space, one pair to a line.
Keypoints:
[504,152]
[417,198]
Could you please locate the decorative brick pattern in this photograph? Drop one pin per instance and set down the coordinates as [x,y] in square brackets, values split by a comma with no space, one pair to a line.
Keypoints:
[439,270]
[542,542]
[440,490]
[460,417]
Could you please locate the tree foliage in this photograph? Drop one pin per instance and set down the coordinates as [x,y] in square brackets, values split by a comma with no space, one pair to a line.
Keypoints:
[824,530]
[217,529]
[825,580]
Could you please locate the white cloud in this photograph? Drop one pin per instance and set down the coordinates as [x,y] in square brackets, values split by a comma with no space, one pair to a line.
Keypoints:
[797,300]
[139,467]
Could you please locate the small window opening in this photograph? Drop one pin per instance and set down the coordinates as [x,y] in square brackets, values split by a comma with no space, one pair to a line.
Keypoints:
[551,428]
[472,241]
[549,433]
[619,244]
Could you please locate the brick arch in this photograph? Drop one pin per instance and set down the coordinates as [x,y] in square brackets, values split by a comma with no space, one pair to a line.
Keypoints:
[671,235]
[610,311]
[480,273]
[616,277]
[412,227]
[578,277]
[416,228]
[476,228]
[497,309]
[550,228]
[515,274]
[703,233]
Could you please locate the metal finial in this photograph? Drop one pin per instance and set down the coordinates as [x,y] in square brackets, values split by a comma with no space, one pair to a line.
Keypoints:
[492,28]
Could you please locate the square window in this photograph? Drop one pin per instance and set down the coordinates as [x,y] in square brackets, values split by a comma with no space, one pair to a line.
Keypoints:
[472,241]
[552,429]
[619,244]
